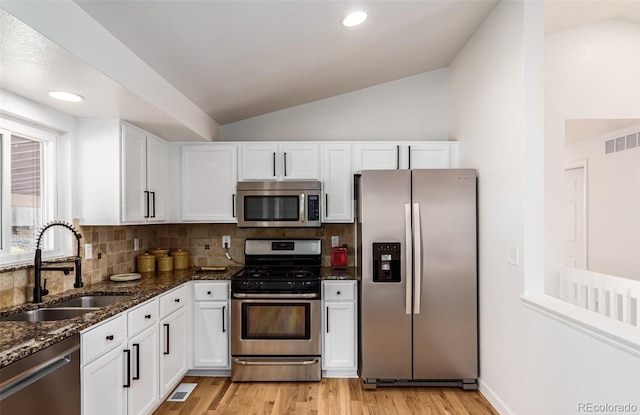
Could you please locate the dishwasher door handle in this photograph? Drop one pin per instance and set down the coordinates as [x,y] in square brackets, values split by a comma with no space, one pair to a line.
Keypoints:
[10,386]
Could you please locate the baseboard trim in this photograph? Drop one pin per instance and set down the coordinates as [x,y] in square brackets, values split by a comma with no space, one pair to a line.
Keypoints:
[493,399]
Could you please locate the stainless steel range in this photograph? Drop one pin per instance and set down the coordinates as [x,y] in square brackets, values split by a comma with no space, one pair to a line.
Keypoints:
[276,312]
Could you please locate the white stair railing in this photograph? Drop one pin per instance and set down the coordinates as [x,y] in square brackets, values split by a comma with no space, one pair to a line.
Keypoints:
[613,297]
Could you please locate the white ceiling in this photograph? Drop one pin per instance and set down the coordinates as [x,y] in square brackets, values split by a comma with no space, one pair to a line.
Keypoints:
[238,59]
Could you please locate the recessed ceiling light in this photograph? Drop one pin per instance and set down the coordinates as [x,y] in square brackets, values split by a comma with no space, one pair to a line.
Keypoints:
[65,96]
[354,18]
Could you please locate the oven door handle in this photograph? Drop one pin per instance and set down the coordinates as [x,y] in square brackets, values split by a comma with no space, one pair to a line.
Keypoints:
[277,296]
[275,362]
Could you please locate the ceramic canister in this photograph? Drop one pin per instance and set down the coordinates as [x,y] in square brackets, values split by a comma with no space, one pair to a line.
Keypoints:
[146,262]
[180,258]
[165,263]
[159,252]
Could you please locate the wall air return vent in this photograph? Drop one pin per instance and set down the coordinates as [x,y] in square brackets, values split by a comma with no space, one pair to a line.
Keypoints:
[625,142]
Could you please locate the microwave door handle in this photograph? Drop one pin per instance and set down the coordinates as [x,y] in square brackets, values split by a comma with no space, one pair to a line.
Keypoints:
[302,196]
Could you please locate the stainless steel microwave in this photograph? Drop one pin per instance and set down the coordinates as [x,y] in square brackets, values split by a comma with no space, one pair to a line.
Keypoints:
[279,204]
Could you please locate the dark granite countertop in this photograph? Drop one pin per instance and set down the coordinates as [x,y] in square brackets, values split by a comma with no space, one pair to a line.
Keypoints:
[340,274]
[19,339]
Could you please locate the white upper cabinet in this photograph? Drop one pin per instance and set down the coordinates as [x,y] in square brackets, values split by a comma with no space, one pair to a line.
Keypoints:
[122,174]
[337,182]
[144,176]
[279,161]
[405,155]
[209,176]
[376,156]
[431,155]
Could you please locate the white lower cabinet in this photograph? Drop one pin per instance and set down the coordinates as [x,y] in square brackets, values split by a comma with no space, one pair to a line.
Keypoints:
[211,325]
[339,340]
[173,339]
[142,358]
[120,363]
[103,384]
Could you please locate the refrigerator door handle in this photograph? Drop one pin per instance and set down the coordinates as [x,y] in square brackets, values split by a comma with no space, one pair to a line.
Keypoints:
[417,246]
[408,258]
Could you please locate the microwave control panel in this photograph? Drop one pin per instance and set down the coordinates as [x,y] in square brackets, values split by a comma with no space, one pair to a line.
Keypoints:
[313,208]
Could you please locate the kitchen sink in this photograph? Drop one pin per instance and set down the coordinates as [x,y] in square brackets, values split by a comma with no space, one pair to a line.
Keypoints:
[89,301]
[49,314]
[67,309]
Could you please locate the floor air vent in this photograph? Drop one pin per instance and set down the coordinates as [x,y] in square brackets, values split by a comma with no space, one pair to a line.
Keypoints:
[182,392]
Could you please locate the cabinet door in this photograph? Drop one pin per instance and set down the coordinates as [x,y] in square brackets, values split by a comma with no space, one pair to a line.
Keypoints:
[376,156]
[157,178]
[133,185]
[103,384]
[429,155]
[339,336]
[143,393]
[338,183]
[211,335]
[209,182]
[173,350]
[259,161]
[300,161]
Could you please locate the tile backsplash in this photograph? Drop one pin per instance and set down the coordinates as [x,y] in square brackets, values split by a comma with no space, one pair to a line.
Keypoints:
[113,251]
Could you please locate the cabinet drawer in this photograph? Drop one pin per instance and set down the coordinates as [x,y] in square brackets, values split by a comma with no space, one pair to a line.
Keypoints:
[173,300]
[339,291]
[102,338]
[143,316]
[211,291]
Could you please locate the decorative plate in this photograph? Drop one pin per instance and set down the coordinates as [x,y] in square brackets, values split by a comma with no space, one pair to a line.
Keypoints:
[125,277]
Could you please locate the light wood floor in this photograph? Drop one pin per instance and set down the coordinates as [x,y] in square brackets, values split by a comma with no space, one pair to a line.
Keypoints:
[214,396]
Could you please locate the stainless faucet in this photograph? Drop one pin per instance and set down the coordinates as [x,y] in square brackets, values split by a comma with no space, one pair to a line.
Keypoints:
[38,291]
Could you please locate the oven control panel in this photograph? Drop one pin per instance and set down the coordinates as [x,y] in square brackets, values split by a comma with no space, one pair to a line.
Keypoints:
[254,286]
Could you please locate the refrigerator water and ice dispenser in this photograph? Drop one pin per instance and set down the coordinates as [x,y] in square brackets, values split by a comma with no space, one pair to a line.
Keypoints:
[386,262]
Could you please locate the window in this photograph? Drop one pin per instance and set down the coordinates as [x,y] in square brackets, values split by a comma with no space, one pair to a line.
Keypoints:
[27,190]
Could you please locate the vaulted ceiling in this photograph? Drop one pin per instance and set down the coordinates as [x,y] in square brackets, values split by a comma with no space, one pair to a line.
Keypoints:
[181,68]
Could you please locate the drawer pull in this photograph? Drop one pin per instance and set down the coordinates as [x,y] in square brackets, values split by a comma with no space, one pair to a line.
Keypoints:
[110,337]
[208,292]
[338,293]
[148,316]
[177,300]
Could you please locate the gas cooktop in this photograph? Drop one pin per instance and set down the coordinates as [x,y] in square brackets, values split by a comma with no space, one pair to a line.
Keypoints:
[280,266]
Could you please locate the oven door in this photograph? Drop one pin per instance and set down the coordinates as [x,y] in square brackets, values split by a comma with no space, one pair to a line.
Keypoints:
[275,325]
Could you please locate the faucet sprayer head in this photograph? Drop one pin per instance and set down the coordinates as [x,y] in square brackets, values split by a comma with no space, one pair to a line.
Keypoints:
[75,232]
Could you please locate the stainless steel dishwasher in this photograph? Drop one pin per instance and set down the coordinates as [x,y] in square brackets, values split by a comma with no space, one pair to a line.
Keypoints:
[46,382]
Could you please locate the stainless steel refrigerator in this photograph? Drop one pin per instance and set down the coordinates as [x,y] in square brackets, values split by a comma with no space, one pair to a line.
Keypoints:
[417,252]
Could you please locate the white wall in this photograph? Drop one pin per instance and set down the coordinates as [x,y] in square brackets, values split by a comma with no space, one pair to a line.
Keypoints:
[529,362]
[591,72]
[613,200]
[412,108]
